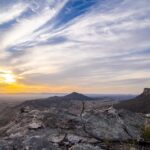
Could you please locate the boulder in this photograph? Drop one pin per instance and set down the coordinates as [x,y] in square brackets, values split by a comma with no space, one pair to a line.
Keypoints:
[56,138]
[35,125]
[74,139]
[84,147]
[39,143]
[113,125]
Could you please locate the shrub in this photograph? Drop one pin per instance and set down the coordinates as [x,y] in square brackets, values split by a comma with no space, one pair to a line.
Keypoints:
[146,133]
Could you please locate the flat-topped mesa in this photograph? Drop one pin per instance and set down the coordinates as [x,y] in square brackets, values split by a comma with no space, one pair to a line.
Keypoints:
[146,91]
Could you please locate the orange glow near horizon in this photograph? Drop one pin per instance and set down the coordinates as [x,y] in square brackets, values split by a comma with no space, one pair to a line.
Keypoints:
[17,88]
[21,88]
[11,83]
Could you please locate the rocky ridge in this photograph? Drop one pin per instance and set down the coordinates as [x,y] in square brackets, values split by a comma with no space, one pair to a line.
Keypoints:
[139,104]
[70,125]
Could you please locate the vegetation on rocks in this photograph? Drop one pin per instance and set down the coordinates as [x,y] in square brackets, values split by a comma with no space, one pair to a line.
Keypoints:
[146,133]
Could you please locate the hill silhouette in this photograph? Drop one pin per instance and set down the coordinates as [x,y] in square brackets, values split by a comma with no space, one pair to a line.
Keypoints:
[140,104]
[56,100]
[76,96]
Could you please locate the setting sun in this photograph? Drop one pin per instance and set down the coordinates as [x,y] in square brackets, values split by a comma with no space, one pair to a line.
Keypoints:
[9,78]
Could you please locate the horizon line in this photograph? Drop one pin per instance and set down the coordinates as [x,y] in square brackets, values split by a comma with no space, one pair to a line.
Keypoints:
[71,92]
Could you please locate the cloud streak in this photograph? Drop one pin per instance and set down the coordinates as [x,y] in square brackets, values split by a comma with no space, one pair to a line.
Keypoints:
[14,11]
[105,46]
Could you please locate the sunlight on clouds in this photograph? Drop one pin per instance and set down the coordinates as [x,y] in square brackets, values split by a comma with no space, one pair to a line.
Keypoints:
[22,30]
[7,77]
[103,49]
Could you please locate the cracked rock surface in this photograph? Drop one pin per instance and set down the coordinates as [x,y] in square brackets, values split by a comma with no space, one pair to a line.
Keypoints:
[113,125]
[70,126]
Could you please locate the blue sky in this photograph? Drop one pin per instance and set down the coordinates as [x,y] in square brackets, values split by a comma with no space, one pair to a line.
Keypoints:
[99,46]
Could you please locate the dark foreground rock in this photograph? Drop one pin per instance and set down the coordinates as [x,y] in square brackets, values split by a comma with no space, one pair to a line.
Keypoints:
[84,147]
[113,125]
[74,126]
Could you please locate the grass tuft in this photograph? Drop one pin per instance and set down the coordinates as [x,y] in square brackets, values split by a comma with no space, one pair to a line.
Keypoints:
[146,133]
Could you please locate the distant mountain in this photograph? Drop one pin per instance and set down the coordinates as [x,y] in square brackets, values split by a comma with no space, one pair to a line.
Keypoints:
[139,104]
[55,100]
[77,96]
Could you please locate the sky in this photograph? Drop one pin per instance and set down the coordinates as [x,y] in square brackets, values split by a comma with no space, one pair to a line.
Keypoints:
[90,46]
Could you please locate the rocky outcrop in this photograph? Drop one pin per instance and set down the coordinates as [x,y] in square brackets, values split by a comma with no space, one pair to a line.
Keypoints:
[113,125]
[140,104]
[146,91]
[70,125]
[65,129]
[85,147]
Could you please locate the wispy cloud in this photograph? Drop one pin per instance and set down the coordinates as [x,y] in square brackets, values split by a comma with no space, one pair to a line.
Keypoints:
[106,45]
[14,11]
[24,29]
